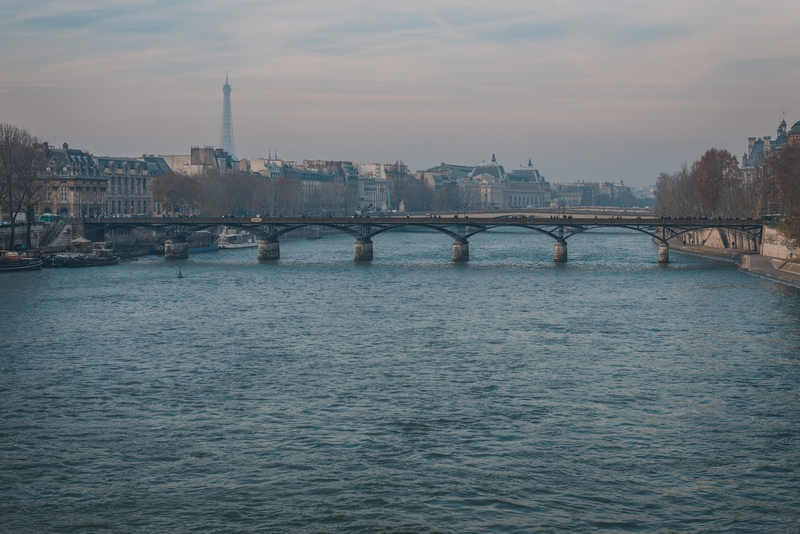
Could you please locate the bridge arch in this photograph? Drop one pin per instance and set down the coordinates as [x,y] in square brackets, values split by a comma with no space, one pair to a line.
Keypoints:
[586,228]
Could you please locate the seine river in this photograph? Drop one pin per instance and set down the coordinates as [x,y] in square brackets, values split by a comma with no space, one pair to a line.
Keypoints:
[406,395]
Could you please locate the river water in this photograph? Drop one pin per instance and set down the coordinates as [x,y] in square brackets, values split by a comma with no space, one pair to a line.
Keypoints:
[406,395]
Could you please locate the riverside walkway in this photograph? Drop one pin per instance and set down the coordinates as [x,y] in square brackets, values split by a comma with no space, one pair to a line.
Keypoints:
[458,227]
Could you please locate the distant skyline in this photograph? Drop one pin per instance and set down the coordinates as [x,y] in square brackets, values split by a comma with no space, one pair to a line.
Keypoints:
[587,90]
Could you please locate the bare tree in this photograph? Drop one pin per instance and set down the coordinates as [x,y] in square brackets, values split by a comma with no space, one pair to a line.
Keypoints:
[675,195]
[397,176]
[715,178]
[785,169]
[470,196]
[20,154]
[178,192]
[418,196]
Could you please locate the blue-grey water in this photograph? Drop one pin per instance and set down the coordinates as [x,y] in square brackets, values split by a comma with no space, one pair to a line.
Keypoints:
[406,395]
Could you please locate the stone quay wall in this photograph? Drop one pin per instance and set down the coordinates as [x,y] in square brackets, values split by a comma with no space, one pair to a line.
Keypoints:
[772,242]
[721,238]
[775,245]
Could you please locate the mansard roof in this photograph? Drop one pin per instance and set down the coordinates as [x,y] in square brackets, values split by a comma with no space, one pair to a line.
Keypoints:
[457,171]
[155,165]
[494,170]
[61,157]
[756,155]
[525,175]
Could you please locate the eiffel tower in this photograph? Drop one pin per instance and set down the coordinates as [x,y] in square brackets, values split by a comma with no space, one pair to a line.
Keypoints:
[226,139]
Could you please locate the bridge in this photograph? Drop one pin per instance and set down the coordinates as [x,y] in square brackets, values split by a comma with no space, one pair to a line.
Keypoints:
[458,227]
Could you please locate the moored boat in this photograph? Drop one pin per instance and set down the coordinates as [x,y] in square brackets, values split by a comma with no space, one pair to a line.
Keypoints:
[55,260]
[13,261]
[233,239]
[203,241]
[98,257]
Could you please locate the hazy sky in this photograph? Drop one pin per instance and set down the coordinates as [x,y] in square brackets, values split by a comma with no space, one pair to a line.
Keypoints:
[590,90]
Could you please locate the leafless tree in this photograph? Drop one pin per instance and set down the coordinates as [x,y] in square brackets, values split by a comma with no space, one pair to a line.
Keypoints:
[20,154]
[675,195]
[784,167]
[716,179]
[397,177]
[418,196]
[178,192]
[470,196]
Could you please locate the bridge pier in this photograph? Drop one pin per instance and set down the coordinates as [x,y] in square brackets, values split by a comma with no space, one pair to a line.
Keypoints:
[176,250]
[363,249]
[560,251]
[663,253]
[460,251]
[269,250]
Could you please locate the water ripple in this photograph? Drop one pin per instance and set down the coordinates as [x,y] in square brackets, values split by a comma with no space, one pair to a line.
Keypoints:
[410,395]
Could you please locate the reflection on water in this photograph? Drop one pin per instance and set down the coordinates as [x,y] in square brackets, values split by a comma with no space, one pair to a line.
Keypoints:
[411,394]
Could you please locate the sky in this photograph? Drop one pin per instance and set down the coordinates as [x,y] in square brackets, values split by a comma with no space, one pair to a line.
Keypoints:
[588,90]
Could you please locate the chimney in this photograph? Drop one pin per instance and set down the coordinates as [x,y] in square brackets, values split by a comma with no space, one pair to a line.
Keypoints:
[766,144]
[66,146]
[751,142]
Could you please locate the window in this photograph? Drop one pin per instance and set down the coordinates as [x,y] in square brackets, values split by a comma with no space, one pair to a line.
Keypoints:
[63,195]
[46,194]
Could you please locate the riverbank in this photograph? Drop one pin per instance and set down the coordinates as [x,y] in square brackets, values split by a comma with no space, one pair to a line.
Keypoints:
[779,270]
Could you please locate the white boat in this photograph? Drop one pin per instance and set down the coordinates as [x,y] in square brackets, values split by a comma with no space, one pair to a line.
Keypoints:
[234,239]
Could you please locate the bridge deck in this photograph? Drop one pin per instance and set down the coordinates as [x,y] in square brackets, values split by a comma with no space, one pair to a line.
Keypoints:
[522,221]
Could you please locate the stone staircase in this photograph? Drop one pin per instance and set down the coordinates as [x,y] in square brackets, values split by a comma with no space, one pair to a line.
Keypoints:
[52,233]
[62,238]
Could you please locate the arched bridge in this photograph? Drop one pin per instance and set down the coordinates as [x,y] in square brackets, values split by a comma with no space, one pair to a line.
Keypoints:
[459,228]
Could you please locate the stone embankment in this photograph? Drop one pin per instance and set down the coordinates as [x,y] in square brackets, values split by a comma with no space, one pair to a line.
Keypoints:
[774,257]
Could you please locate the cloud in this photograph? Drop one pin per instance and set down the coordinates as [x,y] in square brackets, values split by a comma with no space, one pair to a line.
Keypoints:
[437,75]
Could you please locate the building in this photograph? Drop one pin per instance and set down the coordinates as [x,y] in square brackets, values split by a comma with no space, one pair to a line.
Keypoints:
[491,187]
[267,168]
[793,138]
[201,160]
[526,188]
[373,188]
[759,149]
[444,175]
[72,184]
[591,194]
[130,183]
